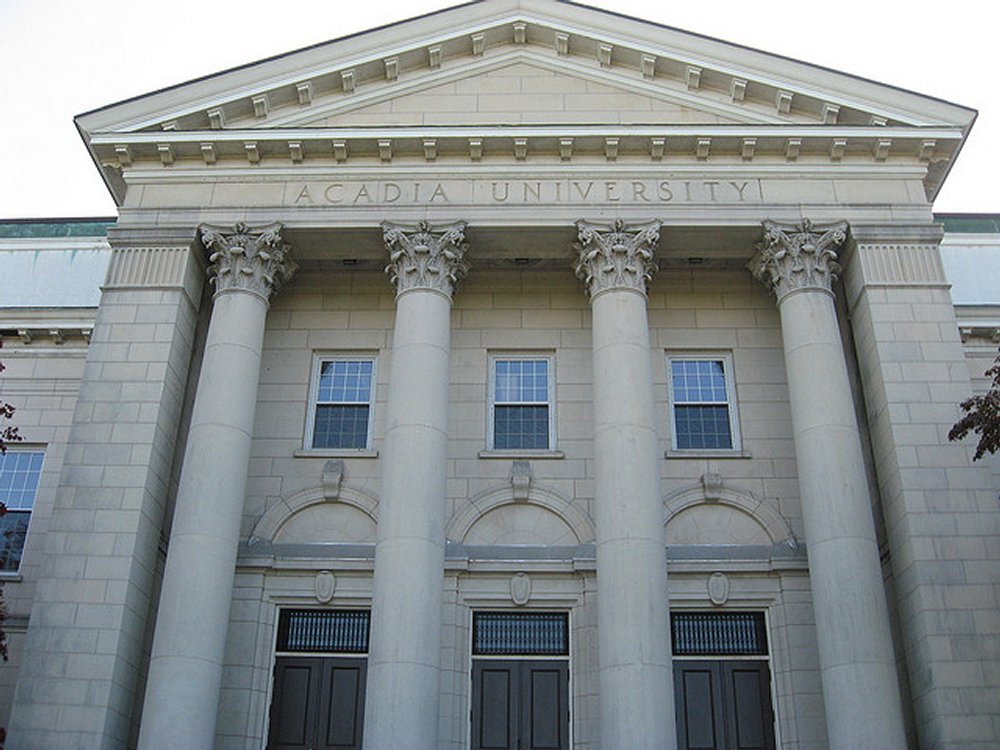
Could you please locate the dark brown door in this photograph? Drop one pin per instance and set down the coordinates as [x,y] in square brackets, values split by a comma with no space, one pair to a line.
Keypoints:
[723,705]
[520,705]
[318,704]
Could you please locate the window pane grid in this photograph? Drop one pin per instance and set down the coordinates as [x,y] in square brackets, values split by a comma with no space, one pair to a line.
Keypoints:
[19,475]
[520,634]
[324,631]
[718,634]
[522,382]
[345,381]
[343,404]
[521,427]
[701,404]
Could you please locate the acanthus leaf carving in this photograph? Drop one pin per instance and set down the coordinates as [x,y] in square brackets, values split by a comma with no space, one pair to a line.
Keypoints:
[793,257]
[253,259]
[616,256]
[423,256]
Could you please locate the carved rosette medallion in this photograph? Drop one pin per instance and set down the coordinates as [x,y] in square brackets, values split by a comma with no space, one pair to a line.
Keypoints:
[794,257]
[253,259]
[423,256]
[616,256]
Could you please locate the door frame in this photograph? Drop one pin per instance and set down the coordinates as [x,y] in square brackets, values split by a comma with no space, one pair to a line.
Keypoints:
[567,658]
[694,606]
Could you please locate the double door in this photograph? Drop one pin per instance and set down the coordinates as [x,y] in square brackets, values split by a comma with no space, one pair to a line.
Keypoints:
[318,703]
[520,704]
[723,705]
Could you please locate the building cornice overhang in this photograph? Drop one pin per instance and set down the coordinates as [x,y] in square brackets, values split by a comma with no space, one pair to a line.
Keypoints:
[734,82]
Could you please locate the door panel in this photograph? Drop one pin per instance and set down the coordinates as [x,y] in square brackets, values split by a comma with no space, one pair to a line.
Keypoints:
[293,709]
[698,696]
[545,688]
[520,705]
[318,704]
[748,693]
[723,705]
[494,705]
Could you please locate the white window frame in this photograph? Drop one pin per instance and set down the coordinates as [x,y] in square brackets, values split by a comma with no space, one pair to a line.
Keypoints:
[318,359]
[549,359]
[734,423]
[14,451]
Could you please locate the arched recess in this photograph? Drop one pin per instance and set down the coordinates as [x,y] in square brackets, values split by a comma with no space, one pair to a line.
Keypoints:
[313,516]
[543,505]
[748,517]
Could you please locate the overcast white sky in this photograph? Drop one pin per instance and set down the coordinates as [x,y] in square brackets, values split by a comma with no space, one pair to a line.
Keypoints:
[59,58]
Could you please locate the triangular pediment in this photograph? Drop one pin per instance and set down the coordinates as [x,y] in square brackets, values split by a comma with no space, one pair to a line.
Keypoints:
[510,88]
[527,63]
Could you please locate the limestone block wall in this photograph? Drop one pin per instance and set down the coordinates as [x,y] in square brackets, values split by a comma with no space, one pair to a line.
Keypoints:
[940,510]
[534,311]
[41,381]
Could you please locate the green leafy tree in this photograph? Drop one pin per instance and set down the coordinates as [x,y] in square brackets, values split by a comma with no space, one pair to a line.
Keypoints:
[982,416]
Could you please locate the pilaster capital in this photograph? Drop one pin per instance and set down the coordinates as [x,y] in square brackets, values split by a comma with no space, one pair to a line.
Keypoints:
[252,259]
[615,256]
[422,256]
[793,257]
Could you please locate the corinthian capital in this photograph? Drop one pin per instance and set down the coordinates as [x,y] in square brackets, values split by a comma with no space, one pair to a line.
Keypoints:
[422,256]
[253,259]
[798,256]
[616,256]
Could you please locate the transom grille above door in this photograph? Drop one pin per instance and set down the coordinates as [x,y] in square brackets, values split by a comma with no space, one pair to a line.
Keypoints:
[520,634]
[330,631]
[718,633]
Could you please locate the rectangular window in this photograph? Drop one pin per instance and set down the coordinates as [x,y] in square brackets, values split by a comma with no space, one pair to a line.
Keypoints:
[340,417]
[702,404]
[19,474]
[521,413]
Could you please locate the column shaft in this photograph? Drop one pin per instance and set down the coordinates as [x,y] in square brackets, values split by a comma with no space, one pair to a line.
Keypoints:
[636,677]
[637,704]
[857,664]
[185,669]
[860,686]
[401,705]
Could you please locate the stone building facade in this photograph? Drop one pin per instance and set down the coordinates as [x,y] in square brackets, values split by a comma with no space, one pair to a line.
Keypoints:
[516,376]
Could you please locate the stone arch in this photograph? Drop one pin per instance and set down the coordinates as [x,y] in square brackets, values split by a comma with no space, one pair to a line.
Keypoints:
[502,499]
[357,508]
[711,494]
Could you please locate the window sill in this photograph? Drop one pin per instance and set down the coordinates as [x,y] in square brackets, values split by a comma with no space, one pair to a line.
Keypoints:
[10,576]
[707,454]
[533,454]
[335,453]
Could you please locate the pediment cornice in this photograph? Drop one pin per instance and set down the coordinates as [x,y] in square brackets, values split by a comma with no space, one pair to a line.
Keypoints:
[781,108]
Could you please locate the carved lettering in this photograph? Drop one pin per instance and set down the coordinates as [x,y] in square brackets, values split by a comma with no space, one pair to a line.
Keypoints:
[303,196]
[639,191]
[711,185]
[532,191]
[506,192]
[439,193]
[611,191]
[363,193]
[664,191]
[334,193]
[391,192]
[583,193]
[740,187]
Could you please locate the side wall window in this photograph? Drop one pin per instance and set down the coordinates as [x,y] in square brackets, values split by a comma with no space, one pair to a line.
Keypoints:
[522,413]
[20,471]
[340,410]
[702,402]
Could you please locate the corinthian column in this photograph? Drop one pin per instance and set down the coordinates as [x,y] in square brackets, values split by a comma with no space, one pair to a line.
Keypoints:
[401,709]
[636,683]
[185,670]
[860,687]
